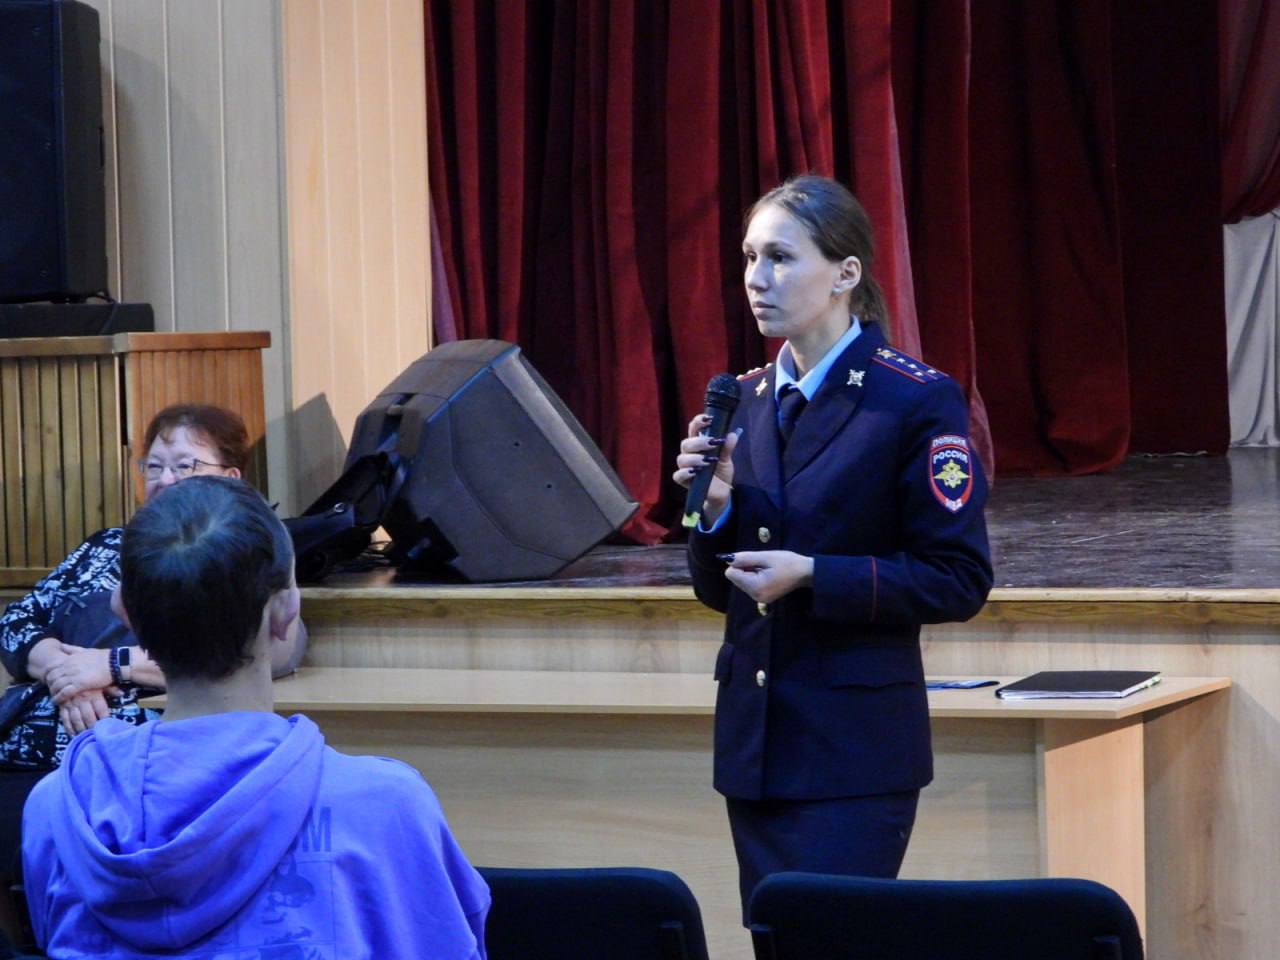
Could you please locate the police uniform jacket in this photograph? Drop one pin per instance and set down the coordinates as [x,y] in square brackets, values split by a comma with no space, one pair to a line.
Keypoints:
[821,694]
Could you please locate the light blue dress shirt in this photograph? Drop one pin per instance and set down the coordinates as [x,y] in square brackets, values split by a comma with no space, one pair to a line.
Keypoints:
[784,373]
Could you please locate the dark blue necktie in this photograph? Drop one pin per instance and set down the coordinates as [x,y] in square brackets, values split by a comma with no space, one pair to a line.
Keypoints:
[791,403]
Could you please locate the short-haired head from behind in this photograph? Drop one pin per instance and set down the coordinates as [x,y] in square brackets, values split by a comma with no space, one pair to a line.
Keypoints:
[198,565]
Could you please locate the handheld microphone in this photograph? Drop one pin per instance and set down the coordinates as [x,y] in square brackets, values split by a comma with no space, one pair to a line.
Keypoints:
[722,400]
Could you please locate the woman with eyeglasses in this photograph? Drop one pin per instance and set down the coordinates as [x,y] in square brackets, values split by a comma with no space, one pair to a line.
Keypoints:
[64,635]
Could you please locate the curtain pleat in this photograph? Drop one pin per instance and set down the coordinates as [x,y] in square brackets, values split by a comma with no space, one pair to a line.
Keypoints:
[1250,106]
[1249,38]
[1253,342]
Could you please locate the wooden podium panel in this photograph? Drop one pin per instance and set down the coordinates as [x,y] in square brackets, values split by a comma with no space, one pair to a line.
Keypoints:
[73,411]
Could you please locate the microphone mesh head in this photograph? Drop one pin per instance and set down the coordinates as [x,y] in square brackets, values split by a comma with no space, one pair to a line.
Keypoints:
[723,391]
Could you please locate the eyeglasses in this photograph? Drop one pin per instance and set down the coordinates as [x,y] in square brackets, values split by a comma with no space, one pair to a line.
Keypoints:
[187,467]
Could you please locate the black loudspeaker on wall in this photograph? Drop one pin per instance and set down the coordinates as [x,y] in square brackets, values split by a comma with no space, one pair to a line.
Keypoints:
[52,207]
[502,482]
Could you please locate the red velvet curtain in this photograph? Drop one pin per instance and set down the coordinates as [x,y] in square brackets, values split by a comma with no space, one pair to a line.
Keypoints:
[1250,105]
[590,162]
[1049,305]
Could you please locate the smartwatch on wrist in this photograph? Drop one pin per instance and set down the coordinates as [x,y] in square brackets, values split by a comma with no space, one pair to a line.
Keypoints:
[119,661]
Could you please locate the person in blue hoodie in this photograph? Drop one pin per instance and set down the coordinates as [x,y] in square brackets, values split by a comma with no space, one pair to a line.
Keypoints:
[224,830]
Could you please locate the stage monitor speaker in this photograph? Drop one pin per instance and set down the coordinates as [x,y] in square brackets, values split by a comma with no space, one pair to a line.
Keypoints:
[52,202]
[502,481]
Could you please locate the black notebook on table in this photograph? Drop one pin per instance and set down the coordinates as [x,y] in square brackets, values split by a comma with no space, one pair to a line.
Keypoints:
[1078,684]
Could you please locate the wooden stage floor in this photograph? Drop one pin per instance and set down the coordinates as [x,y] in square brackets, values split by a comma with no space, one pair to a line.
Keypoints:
[1210,523]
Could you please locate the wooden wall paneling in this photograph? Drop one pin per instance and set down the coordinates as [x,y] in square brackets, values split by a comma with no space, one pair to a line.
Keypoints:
[117,490]
[493,628]
[238,389]
[345,190]
[11,460]
[198,363]
[178,382]
[143,153]
[90,442]
[254,215]
[51,460]
[174,385]
[139,402]
[160,385]
[235,385]
[218,386]
[358,217]
[194,182]
[13,549]
[196,111]
[373,130]
[411,208]
[193,362]
[261,462]
[248,399]
[201,378]
[70,429]
[315,449]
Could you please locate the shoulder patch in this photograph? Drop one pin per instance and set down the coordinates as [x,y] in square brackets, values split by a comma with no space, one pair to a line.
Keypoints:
[753,371]
[951,471]
[910,367]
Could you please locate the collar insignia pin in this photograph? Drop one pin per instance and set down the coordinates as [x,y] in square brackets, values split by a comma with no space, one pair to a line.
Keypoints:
[855,378]
[761,387]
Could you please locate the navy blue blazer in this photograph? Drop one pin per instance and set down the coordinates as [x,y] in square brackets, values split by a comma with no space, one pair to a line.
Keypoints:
[821,694]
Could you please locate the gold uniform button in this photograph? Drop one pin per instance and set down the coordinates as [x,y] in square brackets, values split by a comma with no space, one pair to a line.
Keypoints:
[760,678]
[763,608]
[764,534]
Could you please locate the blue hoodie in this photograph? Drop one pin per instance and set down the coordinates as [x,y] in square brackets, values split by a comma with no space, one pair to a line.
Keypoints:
[241,835]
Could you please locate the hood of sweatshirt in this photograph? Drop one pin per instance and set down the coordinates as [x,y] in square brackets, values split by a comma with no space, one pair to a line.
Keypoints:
[167,829]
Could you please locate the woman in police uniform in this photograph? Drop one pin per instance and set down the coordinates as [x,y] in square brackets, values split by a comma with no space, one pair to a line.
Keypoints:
[846,511]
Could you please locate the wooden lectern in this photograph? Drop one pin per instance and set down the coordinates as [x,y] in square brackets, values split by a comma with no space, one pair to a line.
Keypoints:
[73,411]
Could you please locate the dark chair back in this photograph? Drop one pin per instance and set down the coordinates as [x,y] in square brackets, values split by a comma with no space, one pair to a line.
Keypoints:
[622,913]
[803,916]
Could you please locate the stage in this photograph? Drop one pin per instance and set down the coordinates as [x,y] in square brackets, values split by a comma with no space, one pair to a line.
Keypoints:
[1170,564]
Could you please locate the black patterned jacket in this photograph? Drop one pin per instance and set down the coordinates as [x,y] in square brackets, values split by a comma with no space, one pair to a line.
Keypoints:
[72,604]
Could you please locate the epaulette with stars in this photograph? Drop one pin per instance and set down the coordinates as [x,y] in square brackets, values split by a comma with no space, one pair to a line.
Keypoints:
[917,370]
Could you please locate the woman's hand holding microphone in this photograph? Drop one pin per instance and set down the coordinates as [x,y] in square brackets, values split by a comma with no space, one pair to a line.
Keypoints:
[698,451]
[763,575]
